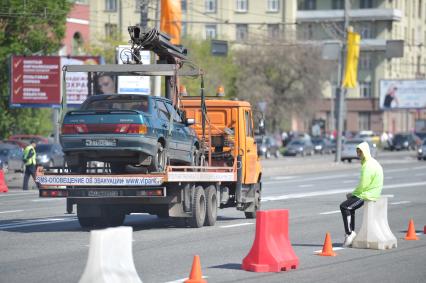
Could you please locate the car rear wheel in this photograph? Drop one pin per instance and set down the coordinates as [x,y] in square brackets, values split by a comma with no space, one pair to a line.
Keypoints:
[195,160]
[158,163]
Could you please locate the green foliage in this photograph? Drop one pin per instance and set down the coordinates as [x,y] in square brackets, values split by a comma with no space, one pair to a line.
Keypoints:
[106,49]
[27,28]
[218,70]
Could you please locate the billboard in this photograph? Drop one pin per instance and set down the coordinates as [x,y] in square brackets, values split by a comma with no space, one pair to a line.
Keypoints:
[77,82]
[402,94]
[133,84]
[35,81]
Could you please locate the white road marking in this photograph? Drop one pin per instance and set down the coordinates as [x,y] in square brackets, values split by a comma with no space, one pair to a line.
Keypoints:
[334,249]
[236,225]
[420,174]
[11,211]
[47,199]
[183,279]
[348,181]
[330,212]
[283,177]
[333,192]
[306,186]
[400,202]
[388,178]
[328,177]
[14,194]
[27,223]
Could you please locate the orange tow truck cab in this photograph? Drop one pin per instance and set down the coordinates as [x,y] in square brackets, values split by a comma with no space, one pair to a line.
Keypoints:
[230,128]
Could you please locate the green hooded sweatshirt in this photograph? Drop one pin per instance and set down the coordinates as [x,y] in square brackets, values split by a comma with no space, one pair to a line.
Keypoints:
[371,181]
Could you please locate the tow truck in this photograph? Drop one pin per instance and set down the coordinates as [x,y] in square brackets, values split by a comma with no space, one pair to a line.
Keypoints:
[228,173]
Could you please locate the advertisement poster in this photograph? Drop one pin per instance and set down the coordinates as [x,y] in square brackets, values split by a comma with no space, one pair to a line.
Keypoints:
[35,81]
[133,84]
[77,83]
[402,94]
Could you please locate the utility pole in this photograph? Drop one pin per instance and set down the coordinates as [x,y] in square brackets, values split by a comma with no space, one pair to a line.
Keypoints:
[144,14]
[342,91]
[157,79]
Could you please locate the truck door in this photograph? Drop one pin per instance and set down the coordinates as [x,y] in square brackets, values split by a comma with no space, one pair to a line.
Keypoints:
[250,150]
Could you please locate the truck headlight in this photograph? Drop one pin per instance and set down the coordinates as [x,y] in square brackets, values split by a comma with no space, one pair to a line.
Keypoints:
[420,150]
[406,143]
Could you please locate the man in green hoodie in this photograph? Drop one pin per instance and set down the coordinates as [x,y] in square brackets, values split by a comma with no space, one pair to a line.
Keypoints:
[369,188]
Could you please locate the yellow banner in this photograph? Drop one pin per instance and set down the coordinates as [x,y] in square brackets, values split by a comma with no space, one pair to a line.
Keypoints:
[171,19]
[352,56]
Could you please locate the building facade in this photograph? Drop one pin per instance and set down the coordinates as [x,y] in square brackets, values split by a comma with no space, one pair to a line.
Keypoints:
[377,21]
[77,32]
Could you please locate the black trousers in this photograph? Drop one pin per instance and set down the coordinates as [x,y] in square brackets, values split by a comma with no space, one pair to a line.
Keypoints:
[348,208]
[30,171]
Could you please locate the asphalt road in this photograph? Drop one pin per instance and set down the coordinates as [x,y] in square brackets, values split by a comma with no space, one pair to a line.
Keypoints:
[40,243]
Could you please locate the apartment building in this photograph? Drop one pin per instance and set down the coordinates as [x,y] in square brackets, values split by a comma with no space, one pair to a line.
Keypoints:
[377,21]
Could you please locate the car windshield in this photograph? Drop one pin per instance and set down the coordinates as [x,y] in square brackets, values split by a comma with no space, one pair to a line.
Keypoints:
[296,143]
[317,141]
[43,148]
[259,140]
[4,152]
[400,137]
[140,104]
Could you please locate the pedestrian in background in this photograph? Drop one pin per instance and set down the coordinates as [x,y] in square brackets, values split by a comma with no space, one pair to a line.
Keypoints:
[369,188]
[30,163]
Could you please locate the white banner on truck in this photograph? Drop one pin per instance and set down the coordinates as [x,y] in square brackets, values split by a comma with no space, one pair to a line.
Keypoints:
[133,84]
[402,94]
[66,180]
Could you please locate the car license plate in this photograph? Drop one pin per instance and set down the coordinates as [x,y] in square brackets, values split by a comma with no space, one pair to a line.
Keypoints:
[101,142]
[104,193]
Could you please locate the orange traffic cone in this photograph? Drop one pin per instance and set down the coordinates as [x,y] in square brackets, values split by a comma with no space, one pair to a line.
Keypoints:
[3,185]
[327,249]
[411,233]
[196,275]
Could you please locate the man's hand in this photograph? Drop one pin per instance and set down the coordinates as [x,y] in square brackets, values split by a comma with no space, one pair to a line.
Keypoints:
[348,195]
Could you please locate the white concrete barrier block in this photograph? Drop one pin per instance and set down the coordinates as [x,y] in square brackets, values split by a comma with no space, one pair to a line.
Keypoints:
[375,232]
[110,257]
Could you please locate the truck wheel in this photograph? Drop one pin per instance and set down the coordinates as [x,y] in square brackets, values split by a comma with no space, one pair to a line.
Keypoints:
[211,206]
[158,163]
[252,214]
[198,208]
[88,222]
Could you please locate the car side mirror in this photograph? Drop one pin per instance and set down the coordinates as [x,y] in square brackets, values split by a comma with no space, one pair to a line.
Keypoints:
[189,121]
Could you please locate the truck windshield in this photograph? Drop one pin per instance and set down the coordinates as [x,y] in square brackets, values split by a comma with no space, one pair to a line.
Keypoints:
[140,104]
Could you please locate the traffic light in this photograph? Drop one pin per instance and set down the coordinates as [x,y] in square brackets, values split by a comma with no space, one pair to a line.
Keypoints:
[352,56]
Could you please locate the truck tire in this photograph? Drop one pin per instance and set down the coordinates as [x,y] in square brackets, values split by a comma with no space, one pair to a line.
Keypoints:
[211,206]
[112,217]
[198,208]
[88,222]
[252,214]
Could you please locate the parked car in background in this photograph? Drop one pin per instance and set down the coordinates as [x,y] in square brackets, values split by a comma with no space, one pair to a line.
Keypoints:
[299,147]
[421,151]
[50,155]
[122,130]
[19,143]
[267,147]
[28,138]
[349,149]
[322,145]
[11,157]
[405,141]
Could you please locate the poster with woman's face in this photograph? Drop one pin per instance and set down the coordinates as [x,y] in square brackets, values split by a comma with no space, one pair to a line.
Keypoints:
[106,84]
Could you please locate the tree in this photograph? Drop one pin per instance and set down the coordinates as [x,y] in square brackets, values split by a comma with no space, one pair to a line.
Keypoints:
[288,78]
[27,28]
[218,70]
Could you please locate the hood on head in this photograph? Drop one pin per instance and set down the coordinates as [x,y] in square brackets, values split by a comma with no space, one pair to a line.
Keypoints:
[365,148]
